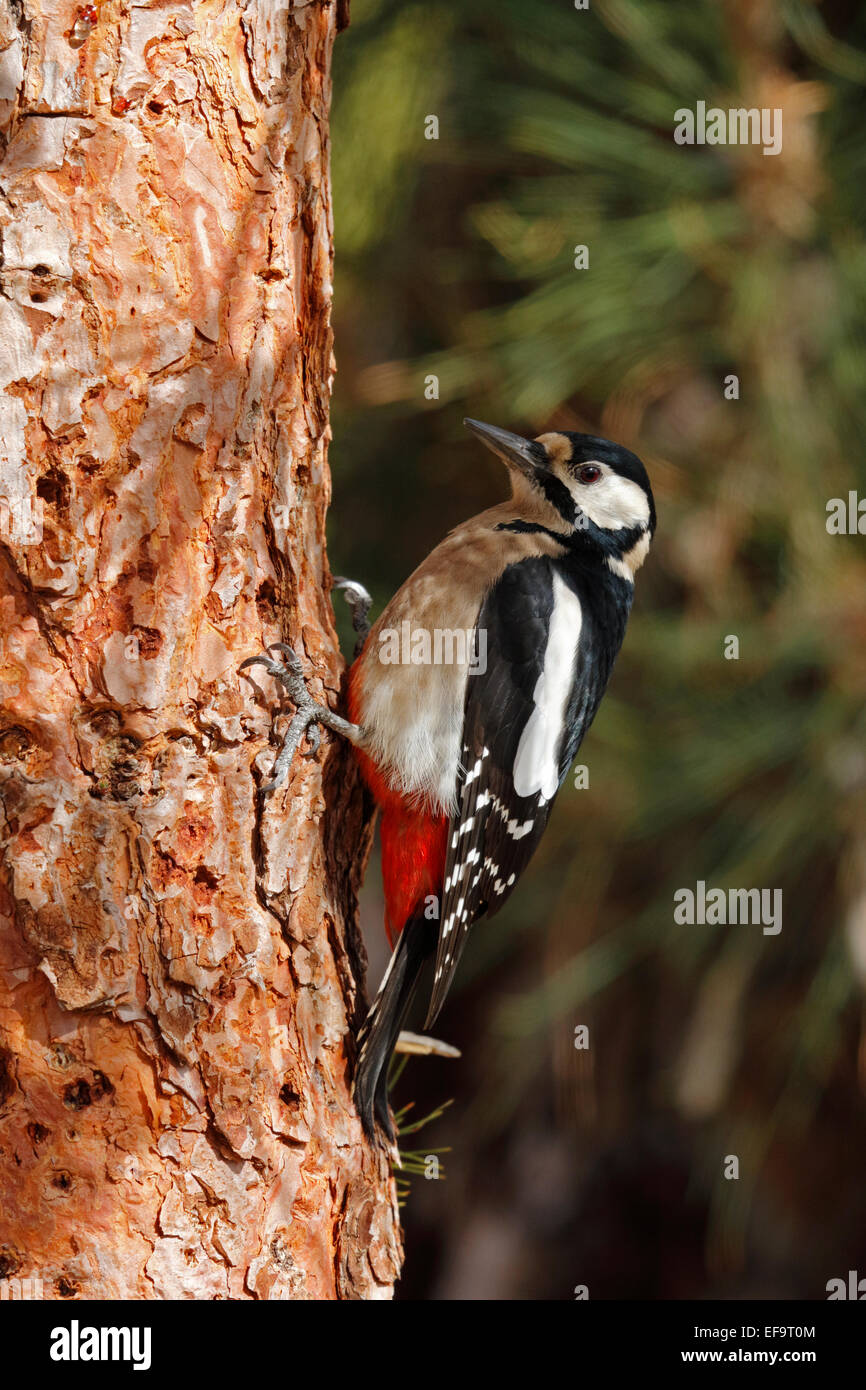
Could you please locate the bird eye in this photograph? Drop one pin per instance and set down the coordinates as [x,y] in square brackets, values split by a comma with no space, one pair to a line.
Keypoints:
[589,473]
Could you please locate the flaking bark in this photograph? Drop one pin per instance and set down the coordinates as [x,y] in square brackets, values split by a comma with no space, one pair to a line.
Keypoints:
[179,964]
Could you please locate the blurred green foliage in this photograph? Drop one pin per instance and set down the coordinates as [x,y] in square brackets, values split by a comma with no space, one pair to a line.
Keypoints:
[455,257]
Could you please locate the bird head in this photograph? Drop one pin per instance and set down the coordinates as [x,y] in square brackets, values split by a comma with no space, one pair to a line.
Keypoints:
[586,487]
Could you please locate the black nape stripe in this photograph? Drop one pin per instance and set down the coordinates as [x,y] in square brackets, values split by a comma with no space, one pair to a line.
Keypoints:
[585,539]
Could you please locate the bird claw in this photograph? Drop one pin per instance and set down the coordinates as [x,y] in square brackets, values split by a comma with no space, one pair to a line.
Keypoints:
[291,675]
[360,601]
[307,712]
[314,741]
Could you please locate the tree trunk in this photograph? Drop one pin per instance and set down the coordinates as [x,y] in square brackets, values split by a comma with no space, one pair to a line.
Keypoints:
[179,960]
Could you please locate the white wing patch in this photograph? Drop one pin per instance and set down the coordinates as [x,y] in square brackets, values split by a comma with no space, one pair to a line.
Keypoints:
[536,764]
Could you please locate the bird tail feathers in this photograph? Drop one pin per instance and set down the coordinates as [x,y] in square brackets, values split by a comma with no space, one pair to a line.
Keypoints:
[417,941]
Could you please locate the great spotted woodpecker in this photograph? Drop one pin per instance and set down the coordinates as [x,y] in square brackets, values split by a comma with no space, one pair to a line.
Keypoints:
[465,756]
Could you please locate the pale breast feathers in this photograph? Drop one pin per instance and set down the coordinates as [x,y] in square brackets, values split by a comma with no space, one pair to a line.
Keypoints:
[421,652]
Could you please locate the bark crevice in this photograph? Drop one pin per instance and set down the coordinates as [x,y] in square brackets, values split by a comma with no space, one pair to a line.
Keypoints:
[180,962]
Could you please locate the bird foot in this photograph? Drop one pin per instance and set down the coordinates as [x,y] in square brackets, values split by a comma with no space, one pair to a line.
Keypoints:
[359,601]
[308,714]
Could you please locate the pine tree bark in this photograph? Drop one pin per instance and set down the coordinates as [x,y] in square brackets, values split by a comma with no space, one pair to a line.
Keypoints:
[179,959]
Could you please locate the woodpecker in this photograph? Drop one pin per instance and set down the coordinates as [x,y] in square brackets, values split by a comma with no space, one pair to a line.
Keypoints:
[464,756]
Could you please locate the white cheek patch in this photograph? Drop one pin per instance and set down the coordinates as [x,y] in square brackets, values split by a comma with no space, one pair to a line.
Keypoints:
[612,502]
[536,766]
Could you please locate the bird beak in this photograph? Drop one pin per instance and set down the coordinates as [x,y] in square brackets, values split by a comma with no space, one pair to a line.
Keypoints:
[517,452]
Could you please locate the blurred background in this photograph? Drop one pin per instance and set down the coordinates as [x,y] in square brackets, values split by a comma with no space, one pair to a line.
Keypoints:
[604,1167]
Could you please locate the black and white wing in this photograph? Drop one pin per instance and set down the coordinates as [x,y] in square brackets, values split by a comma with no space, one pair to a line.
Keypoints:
[525,714]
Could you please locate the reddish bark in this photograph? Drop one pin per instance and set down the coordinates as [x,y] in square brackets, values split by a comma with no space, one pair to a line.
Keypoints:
[178,964]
